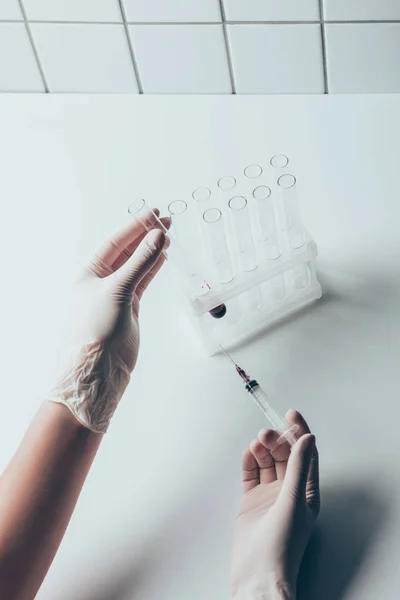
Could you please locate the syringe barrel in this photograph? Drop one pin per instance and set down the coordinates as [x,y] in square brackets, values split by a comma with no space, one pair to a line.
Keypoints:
[277,422]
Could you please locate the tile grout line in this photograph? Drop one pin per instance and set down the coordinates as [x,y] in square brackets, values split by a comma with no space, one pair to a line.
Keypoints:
[227,46]
[55,22]
[272,22]
[323,47]
[130,45]
[166,23]
[33,46]
[315,22]
[367,22]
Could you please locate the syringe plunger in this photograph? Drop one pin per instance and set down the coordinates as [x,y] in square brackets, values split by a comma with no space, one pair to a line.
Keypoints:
[277,422]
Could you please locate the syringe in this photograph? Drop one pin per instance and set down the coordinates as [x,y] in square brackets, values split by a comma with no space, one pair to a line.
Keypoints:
[261,399]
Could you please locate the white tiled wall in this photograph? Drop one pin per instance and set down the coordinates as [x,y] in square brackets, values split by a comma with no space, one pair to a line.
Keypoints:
[271,59]
[188,59]
[18,68]
[362,10]
[200,47]
[272,10]
[78,57]
[180,11]
[10,9]
[359,62]
[102,11]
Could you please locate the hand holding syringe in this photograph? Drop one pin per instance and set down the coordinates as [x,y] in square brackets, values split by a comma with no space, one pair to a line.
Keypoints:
[261,399]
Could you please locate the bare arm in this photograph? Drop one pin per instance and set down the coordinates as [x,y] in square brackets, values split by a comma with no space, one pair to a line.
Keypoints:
[38,493]
[41,485]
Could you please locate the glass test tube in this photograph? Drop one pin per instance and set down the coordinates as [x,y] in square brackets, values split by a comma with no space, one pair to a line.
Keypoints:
[301,276]
[178,211]
[244,242]
[226,183]
[254,298]
[233,314]
[180,219]
[288,193]
[279,163]
[277,288]
[182,227]
[190,279]
[202,196]
[253,171]
[242,228]
[201,193]
[215,230]
[295,231]
[267,229]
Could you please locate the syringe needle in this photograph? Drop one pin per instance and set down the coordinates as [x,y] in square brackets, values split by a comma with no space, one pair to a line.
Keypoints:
[261,399]
[228,355]
[241,372]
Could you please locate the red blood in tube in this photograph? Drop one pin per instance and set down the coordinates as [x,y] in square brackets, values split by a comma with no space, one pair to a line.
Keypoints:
[218,312]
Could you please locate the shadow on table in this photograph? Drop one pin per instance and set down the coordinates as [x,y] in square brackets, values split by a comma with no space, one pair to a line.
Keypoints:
[352,516]
[133,571]
[121,584]
[348,525]
[348,301]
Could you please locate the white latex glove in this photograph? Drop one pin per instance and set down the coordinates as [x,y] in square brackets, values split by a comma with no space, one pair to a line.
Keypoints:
[280,505]
[105,325]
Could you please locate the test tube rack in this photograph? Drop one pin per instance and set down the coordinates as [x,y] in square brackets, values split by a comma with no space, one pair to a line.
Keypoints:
[245,236]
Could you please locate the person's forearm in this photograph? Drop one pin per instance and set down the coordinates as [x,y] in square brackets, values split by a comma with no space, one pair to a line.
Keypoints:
[281,594]
[276,595]
[38,492]
[267,587]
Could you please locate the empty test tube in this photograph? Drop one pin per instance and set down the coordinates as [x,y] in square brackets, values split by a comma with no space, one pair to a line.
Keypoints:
[279,161]
[215,231]
[295,233]
[243,233]
[226,183]
[191,281]
[278,287]
[288,192]
[301,276]
[253,171]
[202,196]
[279,164]
[176,209]
[254,298]
[267,228]
[182,226]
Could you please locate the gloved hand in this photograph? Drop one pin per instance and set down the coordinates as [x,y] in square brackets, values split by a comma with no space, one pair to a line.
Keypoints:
[106,299]
[280,505]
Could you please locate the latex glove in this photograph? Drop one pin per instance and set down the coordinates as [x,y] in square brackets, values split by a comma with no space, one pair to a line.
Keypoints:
[280,505]
[105,325]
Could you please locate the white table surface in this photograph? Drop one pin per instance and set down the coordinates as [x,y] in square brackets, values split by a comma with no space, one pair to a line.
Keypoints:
[155,518]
